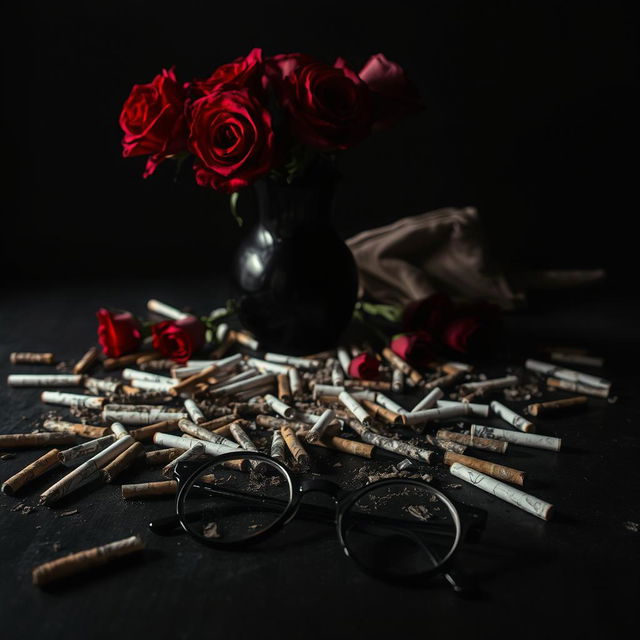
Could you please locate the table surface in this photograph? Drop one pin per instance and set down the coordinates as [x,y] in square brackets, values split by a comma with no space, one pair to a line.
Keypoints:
[578,572]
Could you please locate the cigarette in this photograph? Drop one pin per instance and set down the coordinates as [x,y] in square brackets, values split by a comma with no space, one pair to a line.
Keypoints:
[162,309]
[556,405]
[122,462]
[87,361]
[278,451]
[284,390]
[513,496]
[119,363]
[190,454]
[195,366]
[118,430]
[217,423]
[148,357]
[374,385]
[188,427]
[146,489]
[98,385]
[178,442]
[84,430]
[474,441]
[439,413]
[278,406]
[398,363]
[86,472]
[32,471]
[253,395]
[46,380]
[495,383]
[397,381]
[146,433]
[158,365]
[140,415]
[187,383]
[511,418]
[473,409]
[337,375]
[344,359]
[194,411]
[515,437]
[405,465]
[72,399]
[443,381]
[514,476]
[569,375]
[86,450]
[352,447]
[248,383]
[245,339]
[270,422]
[565,385]
[576,358]
[224,346]
[403,449]
[161,456]
[445,445]
[268,367]
[379,411]
[388,403]
[295,383]
[300,363]
[355,408]
[429,401]
[31,358]
[320,426]
[84,560]
[452,367]
[241,437]
[134,374]
[152,385]
[25,440]
[293,444]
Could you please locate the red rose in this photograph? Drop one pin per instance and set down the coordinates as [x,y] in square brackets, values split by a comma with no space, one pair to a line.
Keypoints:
[393,95]
[118,333]
[364,366]
[416,348]
[280,66]
[430,313]
[475,328]
[153,120]
[329,106]
[178,339]
[241,73]
[231,136]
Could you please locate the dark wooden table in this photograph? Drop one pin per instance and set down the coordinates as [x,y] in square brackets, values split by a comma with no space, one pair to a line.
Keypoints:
[578,573]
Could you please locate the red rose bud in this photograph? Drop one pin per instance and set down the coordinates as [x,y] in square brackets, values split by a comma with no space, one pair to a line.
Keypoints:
[364,366]
[474,330]
[416,348]
[118,333]
[178,339]
[232,139]
[243,72]
[153,120]
[329,106]
[431,313]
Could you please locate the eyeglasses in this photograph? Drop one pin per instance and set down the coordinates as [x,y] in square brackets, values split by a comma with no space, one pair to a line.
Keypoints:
[398,529]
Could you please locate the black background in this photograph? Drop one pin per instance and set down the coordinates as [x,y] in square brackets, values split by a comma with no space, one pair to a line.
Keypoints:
[530,116]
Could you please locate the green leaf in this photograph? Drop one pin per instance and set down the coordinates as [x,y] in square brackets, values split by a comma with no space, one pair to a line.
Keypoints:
[389,312]
[233,200]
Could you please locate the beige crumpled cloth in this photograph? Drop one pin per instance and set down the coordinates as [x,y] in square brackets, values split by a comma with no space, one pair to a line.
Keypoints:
[437,251]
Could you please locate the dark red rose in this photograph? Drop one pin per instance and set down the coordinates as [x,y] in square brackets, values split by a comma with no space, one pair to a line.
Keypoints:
[393,95]
[430,313]
[243,72]
[364,366]
[178,339]
[118,332]
[474,329]
[232,139]
[329,106]
[417,348]
[153,120]
[280,66]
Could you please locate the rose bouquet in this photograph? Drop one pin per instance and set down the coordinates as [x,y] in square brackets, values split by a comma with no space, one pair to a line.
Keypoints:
[259,116]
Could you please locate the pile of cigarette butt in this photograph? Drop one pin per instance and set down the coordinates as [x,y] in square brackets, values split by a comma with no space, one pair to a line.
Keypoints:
[148,411]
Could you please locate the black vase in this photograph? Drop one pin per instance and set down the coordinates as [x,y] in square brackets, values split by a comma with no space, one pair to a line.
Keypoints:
[297,278]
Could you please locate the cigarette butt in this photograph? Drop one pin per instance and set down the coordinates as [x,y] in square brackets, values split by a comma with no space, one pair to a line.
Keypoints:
[122,462]
[218,423]
[163,309]
[190,454]
[352,447]
[284,389]
[28,357]
[320,425]
[84,560]
[72,399]
[374,385]
[515,437]
[397,362]
[191,381]
[194,411]
[43,380]
[148,357]
[84,430]
[498,471]
[397,381]
[477,442]
[379,411]
[161,457]
[429,401]
[146,433]
[145,489]
[404,449]
[223,347]
[278,450]
[355,408]
[109,364]
[577,387]
[512,418]
[538,408]
[24,440]
[87,361]
[278,406]
[32,471]
[443,381]
[293,444]
[81,452]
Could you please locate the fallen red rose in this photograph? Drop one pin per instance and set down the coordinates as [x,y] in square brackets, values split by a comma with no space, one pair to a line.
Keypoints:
[474,330]
[417,348]
[178,339]
[364,366]
[430,314]
[118,333]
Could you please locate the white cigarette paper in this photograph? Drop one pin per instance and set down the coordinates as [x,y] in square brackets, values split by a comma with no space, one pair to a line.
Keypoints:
[320,426]
[98,385]
[186,426]
[512,418]
[242,438]
[295,384]
[337,375]
[300,363]
[281,408]
[388,403]
[140,415]
[118,430]
[80,453]
[134,374]
[570,375]
[505,492]
[194,411]
[178,442]
[152,385]
[495,383]
[242,385]
[516,437]
[429,401]
[270,367]
[190,454]
[72,399]
[162,309]
[585,389]
[418,417]
[278,448]
[397,381]
[344,359]
[473,409]
[355,408]
[43,380]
